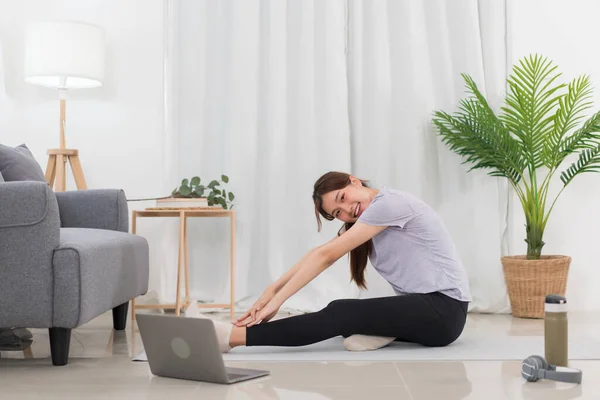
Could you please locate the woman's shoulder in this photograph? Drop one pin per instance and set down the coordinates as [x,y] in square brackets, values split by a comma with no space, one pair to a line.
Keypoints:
[390,192]
[388,207]
[393,198]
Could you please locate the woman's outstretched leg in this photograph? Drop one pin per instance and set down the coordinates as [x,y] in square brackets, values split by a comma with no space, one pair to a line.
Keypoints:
[429,319]
[312,328]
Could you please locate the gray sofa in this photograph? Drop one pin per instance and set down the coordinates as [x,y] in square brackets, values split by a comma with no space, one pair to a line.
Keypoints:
[66,258]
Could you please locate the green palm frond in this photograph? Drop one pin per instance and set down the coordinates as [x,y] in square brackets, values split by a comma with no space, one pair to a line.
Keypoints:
[537,128]
[589,161]
[482,140]
[530,103]
[568,115]
[584,138]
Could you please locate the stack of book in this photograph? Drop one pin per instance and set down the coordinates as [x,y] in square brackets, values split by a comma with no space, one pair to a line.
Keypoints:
[176,203]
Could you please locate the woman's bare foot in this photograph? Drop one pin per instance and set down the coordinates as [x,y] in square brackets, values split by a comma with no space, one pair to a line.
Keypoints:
[238,336]
[223,331]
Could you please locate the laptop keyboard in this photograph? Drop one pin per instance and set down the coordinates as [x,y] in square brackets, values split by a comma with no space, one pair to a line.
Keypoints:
[235,376]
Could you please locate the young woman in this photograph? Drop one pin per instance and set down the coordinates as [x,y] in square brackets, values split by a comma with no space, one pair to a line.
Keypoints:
[407,243]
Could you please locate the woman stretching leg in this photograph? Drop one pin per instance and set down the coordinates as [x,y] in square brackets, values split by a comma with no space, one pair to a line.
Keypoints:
[406,242]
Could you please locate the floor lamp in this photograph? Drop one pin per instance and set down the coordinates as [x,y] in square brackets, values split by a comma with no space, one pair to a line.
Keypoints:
[64,55]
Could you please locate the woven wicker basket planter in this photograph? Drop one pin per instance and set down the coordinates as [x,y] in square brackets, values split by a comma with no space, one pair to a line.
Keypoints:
[529,281]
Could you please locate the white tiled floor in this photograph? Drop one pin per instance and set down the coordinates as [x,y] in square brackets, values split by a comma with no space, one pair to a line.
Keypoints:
[100,368]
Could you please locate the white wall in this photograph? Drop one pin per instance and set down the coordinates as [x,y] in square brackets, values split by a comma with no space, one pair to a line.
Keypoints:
[119,128]
[566,32]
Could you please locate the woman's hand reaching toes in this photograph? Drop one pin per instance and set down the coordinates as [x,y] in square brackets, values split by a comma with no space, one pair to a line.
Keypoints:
[265,314]
[250,315]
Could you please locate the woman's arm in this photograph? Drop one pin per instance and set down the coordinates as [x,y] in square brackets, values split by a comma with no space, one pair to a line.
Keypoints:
[312,265]
[317,261]
[272,290]
[281,282]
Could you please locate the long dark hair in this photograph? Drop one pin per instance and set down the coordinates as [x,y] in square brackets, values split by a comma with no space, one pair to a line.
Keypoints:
[358,256]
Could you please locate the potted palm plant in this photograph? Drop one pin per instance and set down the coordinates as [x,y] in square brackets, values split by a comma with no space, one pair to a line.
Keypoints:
[538,127]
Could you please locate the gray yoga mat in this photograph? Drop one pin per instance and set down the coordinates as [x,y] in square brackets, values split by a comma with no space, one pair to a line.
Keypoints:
[468,347]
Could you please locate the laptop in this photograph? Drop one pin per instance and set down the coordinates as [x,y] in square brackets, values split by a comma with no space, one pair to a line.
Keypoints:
[187,348]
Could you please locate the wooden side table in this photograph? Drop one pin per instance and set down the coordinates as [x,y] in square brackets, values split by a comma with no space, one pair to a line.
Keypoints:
[183,215]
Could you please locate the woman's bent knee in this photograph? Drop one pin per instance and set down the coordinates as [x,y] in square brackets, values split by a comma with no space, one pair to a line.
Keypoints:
[445,335]
[441,341]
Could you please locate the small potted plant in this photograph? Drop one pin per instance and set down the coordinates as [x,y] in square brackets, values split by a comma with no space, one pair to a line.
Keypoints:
[539,127]
[192,193]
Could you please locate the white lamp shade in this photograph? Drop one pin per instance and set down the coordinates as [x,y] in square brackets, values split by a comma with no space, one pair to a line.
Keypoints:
[65,55]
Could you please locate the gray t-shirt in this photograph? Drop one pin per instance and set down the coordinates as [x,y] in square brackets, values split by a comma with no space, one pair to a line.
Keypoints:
[415,254]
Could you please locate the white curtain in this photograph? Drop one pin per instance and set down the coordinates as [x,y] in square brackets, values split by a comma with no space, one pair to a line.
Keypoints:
[276,93]
[262,97]
[405,62]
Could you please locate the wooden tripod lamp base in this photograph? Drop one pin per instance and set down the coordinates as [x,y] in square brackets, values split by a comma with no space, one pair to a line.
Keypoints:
[56,170]
[64,55]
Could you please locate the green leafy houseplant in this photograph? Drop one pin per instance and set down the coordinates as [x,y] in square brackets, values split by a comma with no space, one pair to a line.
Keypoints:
[535,132]
[539,126]
[215,194]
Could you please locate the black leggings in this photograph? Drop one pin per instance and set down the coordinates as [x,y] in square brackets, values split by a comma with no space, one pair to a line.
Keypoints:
[432,319]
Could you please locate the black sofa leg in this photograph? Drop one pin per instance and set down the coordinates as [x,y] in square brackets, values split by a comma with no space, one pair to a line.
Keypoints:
[60,340]
[120,316]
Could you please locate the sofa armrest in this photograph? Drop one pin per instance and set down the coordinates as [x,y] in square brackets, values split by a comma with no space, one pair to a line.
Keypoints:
[29,233]
[94,208]
[24,203]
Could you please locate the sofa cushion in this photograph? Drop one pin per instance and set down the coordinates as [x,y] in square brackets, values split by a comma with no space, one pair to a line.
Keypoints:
[18,164]
[96,270]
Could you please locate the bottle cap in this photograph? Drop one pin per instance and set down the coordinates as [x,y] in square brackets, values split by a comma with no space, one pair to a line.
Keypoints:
[555,299]
[555,303]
